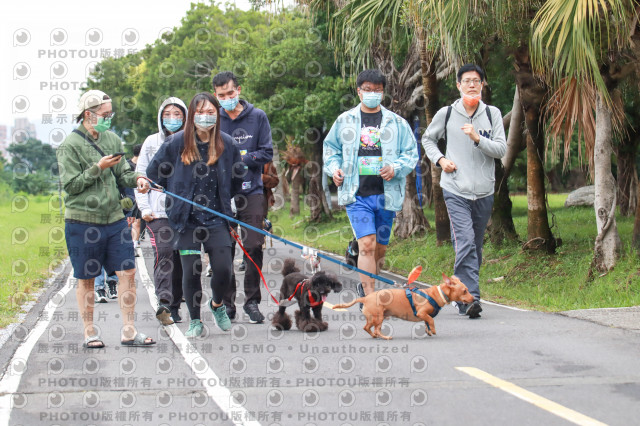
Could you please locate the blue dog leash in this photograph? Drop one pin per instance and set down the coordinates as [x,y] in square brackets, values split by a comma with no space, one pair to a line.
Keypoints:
[160,188]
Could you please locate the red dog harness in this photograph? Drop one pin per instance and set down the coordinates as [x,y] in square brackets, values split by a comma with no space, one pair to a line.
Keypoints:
[313,302]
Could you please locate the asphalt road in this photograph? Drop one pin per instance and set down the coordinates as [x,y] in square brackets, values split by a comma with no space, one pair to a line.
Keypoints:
[509,367]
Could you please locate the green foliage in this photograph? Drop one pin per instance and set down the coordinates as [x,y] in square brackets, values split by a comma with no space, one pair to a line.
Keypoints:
[31,167]
[37,155]
[283,64]
[285,68]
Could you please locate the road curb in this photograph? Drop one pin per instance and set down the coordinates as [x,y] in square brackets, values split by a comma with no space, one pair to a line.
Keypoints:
[32,311]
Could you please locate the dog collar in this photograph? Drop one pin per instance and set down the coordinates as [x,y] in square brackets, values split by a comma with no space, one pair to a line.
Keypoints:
[444,297]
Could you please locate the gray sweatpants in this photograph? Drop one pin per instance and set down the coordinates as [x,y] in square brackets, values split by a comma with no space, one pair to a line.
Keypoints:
[469,220]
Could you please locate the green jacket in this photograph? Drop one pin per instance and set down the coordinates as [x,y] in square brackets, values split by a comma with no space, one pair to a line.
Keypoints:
[92,194]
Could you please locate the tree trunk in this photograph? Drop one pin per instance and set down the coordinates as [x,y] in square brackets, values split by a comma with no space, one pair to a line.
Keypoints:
[635,240]
[430,88]
[315,199]
[501,226]
[279,193]
[427,185]
[607,245]
[626,151]
[532,95]
[297,181]
[411,220]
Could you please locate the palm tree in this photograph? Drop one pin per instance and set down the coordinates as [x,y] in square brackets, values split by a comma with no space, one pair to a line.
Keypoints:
[576,46]
[462,22]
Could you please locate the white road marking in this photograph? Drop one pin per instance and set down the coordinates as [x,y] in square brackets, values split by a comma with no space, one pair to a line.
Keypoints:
[530,397]
[220,395]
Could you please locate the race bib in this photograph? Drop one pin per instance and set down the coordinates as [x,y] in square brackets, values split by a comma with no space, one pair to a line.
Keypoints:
[369,166]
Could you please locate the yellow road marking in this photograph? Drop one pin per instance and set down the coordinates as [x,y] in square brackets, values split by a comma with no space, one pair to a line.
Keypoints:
[530,397]
[330,306]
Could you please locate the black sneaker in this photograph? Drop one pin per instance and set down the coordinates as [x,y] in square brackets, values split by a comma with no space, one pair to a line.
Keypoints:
[474,309]
[255,316]
[175,315]
[112,286]
[163,314]
[360,291]
[100,296]
[231,312]
[242,267]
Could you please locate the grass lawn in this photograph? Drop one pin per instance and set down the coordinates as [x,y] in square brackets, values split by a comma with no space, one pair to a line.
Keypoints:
[32,233]
[531,280]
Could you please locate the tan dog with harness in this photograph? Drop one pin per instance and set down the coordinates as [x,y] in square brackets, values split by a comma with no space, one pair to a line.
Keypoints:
[410,304]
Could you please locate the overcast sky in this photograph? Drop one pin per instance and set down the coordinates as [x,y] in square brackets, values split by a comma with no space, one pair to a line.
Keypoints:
[48,48]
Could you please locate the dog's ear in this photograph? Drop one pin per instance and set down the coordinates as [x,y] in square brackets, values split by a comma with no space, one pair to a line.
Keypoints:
[336,286]
[446,279]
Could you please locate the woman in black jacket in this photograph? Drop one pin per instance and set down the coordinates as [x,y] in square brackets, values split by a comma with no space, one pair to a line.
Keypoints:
[201,164]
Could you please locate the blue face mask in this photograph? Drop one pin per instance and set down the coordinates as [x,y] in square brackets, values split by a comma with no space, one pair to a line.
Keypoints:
[205,121]
[371,99]
[229,104]
[172,124]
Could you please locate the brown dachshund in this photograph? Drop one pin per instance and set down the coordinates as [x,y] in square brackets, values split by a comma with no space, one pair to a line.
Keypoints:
[410,305]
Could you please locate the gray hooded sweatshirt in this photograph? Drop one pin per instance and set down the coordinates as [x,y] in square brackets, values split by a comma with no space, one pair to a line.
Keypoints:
[153,202]
[475,174]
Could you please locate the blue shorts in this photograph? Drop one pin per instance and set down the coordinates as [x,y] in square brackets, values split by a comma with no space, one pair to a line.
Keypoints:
[368,216]
[92,247]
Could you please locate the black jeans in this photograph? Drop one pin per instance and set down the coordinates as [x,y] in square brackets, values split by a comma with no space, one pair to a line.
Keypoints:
[250,210]
[217,244]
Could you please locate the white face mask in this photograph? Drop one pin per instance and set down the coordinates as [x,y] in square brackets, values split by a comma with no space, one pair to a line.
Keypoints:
[205,121]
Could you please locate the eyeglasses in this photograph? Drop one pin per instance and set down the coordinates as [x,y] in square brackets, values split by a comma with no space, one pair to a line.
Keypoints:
[468,81]
[106,117]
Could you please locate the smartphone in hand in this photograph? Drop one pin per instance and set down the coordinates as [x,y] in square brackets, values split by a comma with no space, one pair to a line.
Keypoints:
[118,154]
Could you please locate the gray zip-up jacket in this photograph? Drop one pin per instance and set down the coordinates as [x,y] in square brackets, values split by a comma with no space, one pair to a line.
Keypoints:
[475,174]
[153,202]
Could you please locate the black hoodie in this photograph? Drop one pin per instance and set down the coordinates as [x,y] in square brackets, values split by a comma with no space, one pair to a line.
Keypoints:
[252,135]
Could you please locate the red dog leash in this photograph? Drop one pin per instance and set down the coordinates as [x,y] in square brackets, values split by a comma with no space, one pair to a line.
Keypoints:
[312,302]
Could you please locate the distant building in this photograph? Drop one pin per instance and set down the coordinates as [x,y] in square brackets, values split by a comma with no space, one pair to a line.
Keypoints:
[26,125]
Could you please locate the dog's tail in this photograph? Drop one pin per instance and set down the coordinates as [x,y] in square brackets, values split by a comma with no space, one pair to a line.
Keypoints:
[350,304]
[289,267]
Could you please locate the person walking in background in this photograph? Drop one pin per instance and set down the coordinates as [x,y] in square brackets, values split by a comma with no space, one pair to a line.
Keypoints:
[105,291]
[167,268]
[91,169]
[368,152]
[202,164]
[134,217]
[249,128]
[474,135]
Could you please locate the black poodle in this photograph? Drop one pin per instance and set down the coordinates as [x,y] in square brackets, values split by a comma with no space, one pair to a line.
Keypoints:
[310,294]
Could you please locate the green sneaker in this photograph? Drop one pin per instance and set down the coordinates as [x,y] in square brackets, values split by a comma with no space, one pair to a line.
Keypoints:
[195,328]
[220,315]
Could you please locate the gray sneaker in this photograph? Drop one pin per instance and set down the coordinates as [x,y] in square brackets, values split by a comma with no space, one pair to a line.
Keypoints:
[461,307]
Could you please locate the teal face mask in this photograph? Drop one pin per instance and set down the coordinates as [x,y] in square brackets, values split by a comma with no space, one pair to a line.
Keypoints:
[172,124]
[103,124]
[371,99]
[229,104]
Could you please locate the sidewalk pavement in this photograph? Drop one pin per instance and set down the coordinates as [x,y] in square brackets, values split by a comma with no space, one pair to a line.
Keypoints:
[625,318]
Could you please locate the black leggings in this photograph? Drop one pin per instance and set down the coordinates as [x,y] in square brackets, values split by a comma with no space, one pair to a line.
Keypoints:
[217,244]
